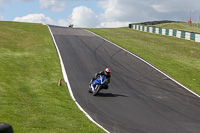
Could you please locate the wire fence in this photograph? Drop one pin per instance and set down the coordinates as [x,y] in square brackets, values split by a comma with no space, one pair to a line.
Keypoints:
[192,22]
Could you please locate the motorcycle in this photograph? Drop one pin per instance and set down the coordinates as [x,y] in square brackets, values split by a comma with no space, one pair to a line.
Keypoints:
[96,85]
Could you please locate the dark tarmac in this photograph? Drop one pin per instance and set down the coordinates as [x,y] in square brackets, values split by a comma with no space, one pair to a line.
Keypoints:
[139,99]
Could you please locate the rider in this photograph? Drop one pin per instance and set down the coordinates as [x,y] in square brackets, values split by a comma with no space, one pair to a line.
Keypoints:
[106,72]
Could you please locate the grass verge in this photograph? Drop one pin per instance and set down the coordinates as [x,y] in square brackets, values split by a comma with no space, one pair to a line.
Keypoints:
[30,99]
[178,58]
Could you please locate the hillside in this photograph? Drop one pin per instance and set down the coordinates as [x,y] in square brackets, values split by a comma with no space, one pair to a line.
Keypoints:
[30,98]
[178,26]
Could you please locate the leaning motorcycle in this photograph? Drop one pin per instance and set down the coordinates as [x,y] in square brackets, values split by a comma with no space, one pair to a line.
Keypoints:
[98,84]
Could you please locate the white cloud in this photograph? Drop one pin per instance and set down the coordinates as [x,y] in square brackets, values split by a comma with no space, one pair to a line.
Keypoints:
[146,10]
[22,0]
[80,17]
[8,1]
[63,22]
[165,6]
[125,11]
[83,17]
[113,24]
[1,4]
[116,13]
[35,18]
[54,5]
[1,18]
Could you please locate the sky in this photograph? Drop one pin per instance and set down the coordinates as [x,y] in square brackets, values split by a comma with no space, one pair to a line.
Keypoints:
[97,13]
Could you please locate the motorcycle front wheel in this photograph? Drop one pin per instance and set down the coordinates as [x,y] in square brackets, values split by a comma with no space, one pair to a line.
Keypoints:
[96,91]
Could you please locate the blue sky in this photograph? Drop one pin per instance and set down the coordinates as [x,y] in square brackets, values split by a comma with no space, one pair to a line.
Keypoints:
[14,8]
[97,13]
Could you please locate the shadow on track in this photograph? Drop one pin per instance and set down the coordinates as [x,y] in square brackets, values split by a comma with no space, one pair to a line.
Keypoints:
[110,95]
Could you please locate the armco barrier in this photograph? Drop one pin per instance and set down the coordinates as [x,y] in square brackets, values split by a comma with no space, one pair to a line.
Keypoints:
[169,32]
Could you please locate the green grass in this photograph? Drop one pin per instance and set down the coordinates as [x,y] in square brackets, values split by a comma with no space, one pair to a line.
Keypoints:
[30,99]
[179,58]
[178,26]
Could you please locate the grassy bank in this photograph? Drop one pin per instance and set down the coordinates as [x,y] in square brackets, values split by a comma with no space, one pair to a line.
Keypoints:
[179,58]
[178,26]
[30,99]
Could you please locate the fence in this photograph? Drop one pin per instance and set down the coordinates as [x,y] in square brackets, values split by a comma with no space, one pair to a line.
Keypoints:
[192,22]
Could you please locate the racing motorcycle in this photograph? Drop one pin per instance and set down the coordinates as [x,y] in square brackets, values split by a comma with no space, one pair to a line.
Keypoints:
[96,85]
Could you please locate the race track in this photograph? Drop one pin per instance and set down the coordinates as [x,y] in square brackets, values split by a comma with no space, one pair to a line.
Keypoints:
[139,99]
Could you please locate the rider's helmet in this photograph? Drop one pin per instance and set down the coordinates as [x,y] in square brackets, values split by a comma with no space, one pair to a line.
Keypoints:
[107,71]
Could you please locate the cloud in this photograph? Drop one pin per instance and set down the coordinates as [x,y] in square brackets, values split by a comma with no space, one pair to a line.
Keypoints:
[125,11]
[165,6]
[115,13]
[146,10]
[8,1]
[2,3]
[64,22]
[1,18]
[113,24]
[118,13]
[35,18]
[53,5]
[82,16]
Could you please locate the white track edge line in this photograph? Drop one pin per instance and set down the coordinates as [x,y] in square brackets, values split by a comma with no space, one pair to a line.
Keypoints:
[147,63]
[68,84]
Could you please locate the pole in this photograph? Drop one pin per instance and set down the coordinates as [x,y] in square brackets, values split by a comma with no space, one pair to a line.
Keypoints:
[198,21]
[190,17]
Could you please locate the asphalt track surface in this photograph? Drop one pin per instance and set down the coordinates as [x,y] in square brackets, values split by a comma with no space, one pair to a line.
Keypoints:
[139,99]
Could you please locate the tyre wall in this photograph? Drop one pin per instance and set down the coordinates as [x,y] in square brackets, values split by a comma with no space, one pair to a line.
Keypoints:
[168,32]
